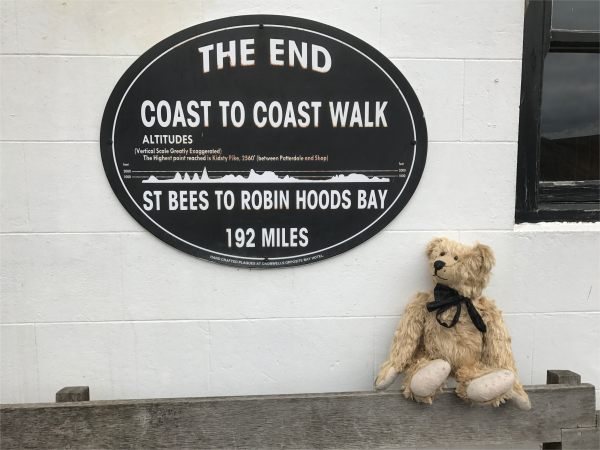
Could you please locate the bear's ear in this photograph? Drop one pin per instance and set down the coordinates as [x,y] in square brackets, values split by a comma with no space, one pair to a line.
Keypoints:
[485,257]
[433,245]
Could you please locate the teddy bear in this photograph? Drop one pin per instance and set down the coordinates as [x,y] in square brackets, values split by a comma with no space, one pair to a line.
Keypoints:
[455,331]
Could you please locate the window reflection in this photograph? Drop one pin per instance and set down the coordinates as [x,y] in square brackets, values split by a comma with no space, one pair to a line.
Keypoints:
[581,15]
[569,148]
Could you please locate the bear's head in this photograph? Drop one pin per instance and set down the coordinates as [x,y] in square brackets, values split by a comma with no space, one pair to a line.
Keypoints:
[461,267]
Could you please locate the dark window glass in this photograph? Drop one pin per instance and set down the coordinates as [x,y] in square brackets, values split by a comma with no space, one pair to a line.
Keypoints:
[569,147]
[581,15]
[558,171]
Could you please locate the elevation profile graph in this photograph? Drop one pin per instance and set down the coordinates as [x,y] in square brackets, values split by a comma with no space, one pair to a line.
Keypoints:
[269,177]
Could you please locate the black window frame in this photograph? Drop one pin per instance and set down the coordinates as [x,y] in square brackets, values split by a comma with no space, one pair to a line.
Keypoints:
[572,201]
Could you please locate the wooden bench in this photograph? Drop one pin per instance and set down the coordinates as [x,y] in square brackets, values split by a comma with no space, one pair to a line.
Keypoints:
[563,415]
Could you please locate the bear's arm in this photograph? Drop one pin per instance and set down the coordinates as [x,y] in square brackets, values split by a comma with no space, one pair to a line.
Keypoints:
[409,331]
[497,350]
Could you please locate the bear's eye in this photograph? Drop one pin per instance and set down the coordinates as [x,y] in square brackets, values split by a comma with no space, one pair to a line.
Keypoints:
[442,254]
[456,258]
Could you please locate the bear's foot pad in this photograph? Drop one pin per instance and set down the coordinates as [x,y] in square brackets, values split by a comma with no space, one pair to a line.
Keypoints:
[426,381]
[490,386]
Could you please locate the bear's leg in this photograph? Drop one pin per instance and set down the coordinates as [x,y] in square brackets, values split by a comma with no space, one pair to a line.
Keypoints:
[425,378]
[485,385]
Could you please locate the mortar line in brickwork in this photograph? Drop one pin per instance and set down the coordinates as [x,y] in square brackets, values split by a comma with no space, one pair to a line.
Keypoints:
[379,25]
[585,228]
[209,356]
[37,361]
[374,349]
[257,319]
[127,55]
[43,233]
[67,233]
[420,230]
[67,55]
[510,230]
[42,141]
[532,351]
[404,58]
[462,103]
[446,230]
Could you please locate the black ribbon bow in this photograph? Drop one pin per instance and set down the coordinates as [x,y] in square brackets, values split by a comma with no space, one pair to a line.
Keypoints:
[446,298]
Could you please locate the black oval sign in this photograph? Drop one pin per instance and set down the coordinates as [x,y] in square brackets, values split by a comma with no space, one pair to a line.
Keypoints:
[263,141]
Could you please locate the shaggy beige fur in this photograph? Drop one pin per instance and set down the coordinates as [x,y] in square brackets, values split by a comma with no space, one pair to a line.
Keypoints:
[420,339]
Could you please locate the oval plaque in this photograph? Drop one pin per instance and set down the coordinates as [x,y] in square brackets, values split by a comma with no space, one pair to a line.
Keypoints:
[263,141]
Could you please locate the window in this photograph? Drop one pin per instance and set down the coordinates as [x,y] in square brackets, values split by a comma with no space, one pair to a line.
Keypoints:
[558,174]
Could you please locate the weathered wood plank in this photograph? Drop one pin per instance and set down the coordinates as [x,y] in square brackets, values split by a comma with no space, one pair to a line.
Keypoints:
[343,420]
[581,438]
[562,377]
[73,394]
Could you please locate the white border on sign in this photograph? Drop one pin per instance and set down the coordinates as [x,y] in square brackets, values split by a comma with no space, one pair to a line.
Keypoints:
[258,258]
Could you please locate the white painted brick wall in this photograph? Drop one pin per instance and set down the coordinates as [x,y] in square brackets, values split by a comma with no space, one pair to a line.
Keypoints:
[89,297]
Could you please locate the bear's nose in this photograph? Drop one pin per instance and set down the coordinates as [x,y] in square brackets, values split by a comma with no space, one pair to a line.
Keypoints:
[438,265]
